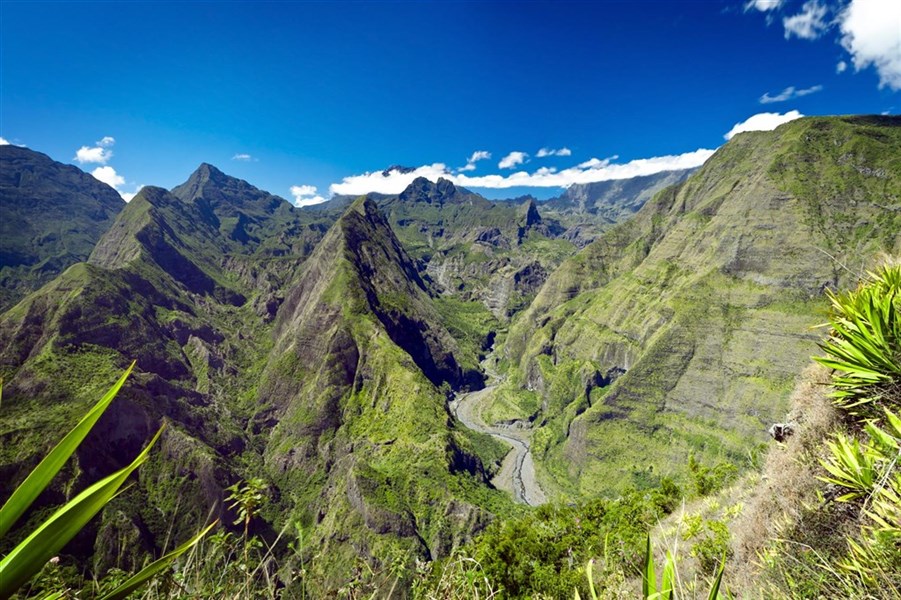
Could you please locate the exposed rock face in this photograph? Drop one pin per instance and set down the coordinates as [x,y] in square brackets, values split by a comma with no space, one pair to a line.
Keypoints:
[51,215]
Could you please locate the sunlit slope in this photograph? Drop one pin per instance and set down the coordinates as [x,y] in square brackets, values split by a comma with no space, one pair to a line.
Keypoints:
[684,329]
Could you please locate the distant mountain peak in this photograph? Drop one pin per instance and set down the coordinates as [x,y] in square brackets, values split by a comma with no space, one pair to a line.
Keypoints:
[529,214]
[203,175]
[424,190]
[223,194]
[397,169]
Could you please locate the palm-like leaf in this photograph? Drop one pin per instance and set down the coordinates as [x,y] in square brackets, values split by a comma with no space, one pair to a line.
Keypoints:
[29,557]
[41,476]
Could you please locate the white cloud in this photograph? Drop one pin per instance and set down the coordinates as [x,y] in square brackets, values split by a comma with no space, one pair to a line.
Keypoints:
[551,152]
[871,33]
[512,159]
[393,183]
[763,5]
[98,153]
[3,142]
[472,160]
[841,66]
[809,24]
[763,122]
[244,157]
[108,176]
[587,172]
[305,195]
[790,93]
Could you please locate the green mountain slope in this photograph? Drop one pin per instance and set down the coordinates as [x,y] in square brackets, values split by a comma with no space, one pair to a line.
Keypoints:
[340,401]
[353,401]
[170,286]
[684,329]
[51,215]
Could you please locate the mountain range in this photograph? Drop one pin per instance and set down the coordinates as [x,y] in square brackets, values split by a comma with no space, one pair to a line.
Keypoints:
[625,325]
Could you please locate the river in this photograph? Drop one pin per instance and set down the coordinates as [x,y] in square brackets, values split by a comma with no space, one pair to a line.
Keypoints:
[517,472]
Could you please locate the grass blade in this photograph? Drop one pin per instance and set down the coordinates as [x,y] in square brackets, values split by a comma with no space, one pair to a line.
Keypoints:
[142,576]
[715,589]
[40,477]
[29,557]
[648,578]
[590,570]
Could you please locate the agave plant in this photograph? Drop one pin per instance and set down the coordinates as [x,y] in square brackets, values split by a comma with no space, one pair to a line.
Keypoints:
[852,466]
[864,344]
[870,470]
[30,556]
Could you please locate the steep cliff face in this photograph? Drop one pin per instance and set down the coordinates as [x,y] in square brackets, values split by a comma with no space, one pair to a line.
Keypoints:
[615,199]
[587,209]
[51,215]
[685,327]
[355,395]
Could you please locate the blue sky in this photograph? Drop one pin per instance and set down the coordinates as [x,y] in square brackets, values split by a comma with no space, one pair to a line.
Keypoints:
[295,95]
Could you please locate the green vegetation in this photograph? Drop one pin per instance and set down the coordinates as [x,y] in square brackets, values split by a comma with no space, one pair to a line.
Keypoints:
[312,358]
[29,556]
[648,342]
[864,345]
[539,554]
[842,536]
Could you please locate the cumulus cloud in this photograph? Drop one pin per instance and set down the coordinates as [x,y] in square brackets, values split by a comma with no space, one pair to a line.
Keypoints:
[871,33]
[512,159]
[869,30]
[551,152]
[394,182]
[305,195]
[95,154]
[763,122]
[790,93]
[99,153]
[763,5]
[474,158]
[108,176]
[809,24]
[242,157]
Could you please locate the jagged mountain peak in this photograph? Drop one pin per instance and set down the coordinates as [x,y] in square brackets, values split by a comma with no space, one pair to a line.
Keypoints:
[225,192]
[528,212]
[397,169]
[424,190]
